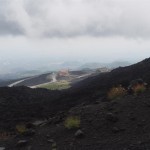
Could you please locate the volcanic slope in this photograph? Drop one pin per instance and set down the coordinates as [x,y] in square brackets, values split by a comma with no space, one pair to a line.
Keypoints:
[119,124]
[100,84]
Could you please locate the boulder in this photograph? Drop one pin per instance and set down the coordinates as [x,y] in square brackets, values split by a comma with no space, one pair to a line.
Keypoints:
[79,134]
[111,117]
[22,143]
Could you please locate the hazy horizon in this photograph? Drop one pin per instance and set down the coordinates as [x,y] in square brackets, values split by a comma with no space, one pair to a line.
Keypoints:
[74,30]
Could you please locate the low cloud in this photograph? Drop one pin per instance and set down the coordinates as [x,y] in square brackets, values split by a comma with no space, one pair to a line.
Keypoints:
[73,18]
[10,27]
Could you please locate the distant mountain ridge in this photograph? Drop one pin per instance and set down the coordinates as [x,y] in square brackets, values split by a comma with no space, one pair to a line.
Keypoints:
[8,71]
[112,65]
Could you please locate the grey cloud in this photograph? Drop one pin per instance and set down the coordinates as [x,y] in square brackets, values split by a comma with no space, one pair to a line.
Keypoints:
[10,27]
[71,18]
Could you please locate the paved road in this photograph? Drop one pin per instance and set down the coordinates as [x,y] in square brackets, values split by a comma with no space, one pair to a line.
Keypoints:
[53,77]
[17,82]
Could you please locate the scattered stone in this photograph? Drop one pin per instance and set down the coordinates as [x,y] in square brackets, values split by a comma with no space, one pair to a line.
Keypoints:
[96,114]
[131,145]
[38,122]
[48,136]
[89,120]
[140,142]
[111,117]
[29,148]
[94,137]
[29,132]
[140,124]
[49,121]
[51,141]
[132,118]
[122,129]
[71,144]
[22,143]
[83,104]
[30,125]
[2,148]
[116,112]
[54,145]
[114,103]
[56,120]
[79,134]
[115,130]
[109,108]
[97,102]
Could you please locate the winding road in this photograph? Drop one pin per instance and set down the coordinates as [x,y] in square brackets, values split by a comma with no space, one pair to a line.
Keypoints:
[53,77]
[17,82]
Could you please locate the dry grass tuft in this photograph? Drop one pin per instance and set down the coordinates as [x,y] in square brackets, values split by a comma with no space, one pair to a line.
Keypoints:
[139,88]
[116,92]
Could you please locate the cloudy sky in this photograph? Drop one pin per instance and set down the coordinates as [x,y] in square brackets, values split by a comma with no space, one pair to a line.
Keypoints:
[88,30]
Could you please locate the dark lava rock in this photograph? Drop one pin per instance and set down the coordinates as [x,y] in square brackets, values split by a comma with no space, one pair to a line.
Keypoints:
[51,141]
[111,117]
[48,136]
[54,145]
[22,143]
[29,133]
[132,118]
[79,134]
[97,102]
[30,125]
[57,119]
[115,130]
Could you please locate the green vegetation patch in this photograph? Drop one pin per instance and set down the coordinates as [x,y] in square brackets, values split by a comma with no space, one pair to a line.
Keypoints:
[72,122]
[59,85]
[21,128]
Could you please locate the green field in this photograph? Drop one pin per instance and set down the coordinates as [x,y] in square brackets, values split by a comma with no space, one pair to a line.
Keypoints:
[59,85]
